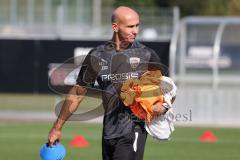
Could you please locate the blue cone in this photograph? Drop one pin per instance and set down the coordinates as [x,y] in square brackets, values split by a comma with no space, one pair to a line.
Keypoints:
[57,152]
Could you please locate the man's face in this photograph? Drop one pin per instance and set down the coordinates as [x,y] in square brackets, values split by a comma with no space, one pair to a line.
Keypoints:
[128,28]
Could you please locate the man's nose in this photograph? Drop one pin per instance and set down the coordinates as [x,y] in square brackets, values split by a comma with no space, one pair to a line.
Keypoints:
[135,30]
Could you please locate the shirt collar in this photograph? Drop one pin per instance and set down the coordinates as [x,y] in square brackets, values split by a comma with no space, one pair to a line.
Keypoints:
[110,45]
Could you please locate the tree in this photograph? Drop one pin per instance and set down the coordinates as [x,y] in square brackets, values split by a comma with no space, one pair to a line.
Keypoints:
[134,3]
[188,7]
[206,7]
[215,8]
[234,7]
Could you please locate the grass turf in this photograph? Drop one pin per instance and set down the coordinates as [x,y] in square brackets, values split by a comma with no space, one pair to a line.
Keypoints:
[23,141]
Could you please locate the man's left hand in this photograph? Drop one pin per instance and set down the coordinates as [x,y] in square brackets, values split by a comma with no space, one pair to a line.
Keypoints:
[158,109]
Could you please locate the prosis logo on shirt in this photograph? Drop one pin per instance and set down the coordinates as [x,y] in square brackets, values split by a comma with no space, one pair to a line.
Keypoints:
[119,76]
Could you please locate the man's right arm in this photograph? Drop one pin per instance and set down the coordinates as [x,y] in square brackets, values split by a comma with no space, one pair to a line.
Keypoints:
[86,79]
[70,105]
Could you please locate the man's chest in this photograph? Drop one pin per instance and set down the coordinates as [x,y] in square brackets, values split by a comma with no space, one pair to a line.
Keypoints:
[119,67]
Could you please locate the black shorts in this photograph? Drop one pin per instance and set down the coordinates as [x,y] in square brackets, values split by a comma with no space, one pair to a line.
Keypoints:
[127,147]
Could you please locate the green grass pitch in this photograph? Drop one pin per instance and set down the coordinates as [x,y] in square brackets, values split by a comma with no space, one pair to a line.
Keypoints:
[23,141]
[20,140]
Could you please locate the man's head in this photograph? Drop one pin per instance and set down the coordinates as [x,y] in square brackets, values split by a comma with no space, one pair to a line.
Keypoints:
[125,24]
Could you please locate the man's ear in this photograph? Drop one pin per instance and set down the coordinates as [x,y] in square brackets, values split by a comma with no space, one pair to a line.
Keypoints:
[115,27]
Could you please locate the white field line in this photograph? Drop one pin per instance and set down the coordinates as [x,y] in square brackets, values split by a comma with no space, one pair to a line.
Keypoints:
[19,116]
[35,116]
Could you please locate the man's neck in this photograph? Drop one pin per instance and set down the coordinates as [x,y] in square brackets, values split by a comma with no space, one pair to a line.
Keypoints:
[117,42]
[120,45]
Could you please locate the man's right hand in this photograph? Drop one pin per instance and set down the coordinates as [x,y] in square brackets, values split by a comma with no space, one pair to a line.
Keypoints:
[53,136]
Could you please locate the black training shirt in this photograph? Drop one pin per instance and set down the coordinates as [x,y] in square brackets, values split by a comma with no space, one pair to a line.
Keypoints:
[110,68]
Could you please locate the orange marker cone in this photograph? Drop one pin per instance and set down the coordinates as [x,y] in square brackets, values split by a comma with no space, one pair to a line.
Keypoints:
[208,136]
[79,141]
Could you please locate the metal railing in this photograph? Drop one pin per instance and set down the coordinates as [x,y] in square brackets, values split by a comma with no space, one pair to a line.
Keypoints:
[181,42]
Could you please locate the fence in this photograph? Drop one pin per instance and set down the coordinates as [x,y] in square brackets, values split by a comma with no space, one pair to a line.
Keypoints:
[76,19]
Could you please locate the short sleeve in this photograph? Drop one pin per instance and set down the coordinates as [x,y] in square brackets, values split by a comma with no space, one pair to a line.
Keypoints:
[154,57]
[89,71]
[155,63]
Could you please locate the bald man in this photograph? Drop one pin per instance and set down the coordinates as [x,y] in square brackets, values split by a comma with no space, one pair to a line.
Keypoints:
[125,24]
[110,64]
